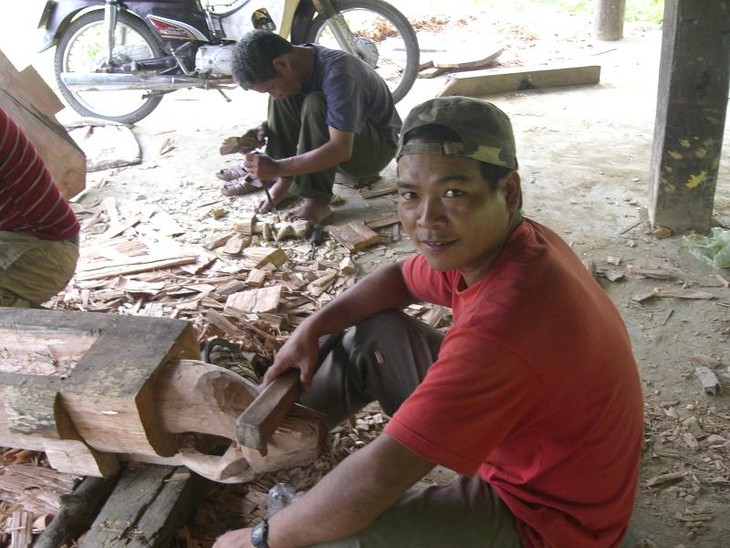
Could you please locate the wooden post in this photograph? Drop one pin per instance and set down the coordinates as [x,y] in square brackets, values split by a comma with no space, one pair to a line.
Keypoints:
[609,19]
[691,109]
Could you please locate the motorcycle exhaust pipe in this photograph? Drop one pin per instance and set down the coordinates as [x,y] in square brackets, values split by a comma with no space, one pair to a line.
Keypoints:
[99,81]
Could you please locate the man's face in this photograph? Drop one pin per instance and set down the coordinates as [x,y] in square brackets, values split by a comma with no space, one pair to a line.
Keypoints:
[286,83]
[450,214]
[279,87]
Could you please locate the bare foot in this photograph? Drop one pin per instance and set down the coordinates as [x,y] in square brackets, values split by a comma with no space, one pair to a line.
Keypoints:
[279,192]
[314,211]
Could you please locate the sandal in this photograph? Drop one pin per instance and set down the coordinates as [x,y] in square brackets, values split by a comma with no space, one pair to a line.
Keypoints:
[228,355]
[241,186]
[231,173]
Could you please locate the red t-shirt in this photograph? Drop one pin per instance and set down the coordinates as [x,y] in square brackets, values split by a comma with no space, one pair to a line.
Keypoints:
[535,389]
[30,202]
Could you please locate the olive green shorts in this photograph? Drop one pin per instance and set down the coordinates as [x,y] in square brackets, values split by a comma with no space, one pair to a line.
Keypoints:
[32,270]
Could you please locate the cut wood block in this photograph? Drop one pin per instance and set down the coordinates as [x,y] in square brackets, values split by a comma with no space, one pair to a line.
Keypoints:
[246,224]
[33,105]
[355,236]
[262,256]
[492,81]
[148,505]
[265,299]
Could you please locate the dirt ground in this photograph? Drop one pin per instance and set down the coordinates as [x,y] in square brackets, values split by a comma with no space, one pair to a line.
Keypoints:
[585,155]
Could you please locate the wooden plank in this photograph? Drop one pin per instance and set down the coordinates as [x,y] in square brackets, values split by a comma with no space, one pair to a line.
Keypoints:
[694,76]
[257,423]
[355,236]
[147,506]
[33,105]
[491,81]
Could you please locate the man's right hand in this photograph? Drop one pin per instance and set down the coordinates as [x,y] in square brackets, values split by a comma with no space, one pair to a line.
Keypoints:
[300,351]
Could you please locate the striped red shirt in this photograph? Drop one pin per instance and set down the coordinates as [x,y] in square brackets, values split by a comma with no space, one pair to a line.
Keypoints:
[30,202]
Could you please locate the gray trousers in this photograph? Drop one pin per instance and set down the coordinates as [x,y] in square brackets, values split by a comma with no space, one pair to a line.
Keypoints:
[383,359]
[297,125]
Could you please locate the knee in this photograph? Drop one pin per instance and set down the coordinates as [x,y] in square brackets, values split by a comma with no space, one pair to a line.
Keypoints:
[314,105]
[375,328]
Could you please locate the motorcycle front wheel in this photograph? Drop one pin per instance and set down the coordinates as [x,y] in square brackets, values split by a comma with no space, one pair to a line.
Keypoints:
[383,37]
[83,49]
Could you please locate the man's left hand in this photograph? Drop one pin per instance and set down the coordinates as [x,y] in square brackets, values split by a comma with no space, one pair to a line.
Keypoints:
[239,538]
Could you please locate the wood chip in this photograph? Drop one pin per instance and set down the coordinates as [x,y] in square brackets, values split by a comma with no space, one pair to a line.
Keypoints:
[265,299]
[708,379]
[669,477]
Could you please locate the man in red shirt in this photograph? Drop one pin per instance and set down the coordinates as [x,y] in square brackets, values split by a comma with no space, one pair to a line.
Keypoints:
[533,395]
[39,232]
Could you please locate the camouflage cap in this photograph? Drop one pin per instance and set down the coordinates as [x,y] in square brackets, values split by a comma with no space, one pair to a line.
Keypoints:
[485,130]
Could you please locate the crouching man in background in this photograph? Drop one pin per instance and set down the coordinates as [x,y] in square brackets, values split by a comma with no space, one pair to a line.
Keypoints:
[39,232]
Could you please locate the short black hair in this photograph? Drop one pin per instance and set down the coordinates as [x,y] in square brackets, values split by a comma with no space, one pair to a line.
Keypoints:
[435,133]
[253,57]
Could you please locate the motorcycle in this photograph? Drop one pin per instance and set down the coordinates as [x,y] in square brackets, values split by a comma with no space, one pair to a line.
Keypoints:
[116,59]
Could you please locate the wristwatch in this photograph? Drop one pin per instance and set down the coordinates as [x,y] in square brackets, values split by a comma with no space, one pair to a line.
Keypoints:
[259,534]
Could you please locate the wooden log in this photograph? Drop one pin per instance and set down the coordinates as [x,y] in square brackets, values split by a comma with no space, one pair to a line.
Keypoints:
[77,513]
[257,423]
[492,81]
[145,509]
[106,403]
[32,417]
[114,407]
[132,393]
[609,19]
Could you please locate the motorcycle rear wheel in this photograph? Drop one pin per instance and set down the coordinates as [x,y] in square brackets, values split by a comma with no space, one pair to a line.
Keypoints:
[377,24]
[83,47]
